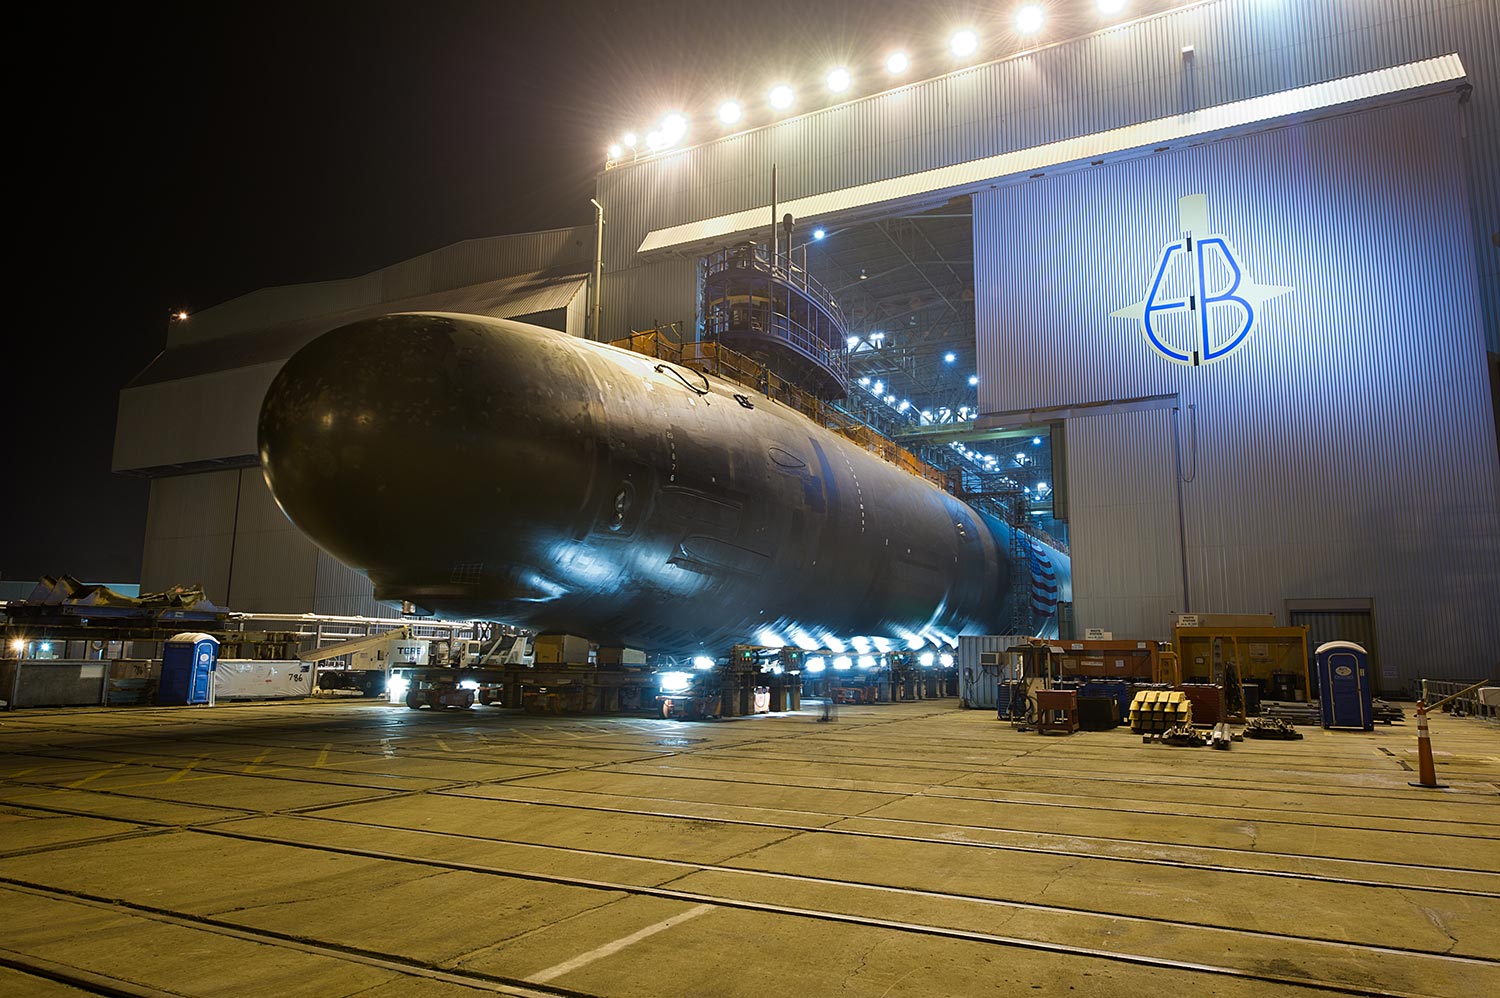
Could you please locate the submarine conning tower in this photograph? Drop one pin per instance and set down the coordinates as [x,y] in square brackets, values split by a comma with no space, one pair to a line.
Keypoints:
[766,305]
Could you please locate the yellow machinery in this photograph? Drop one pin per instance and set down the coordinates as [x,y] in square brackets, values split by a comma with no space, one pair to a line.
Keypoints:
[1272,658]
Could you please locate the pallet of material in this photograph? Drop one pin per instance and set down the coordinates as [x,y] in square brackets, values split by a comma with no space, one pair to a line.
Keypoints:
[1208,702]
[1299,713]
[1154,711]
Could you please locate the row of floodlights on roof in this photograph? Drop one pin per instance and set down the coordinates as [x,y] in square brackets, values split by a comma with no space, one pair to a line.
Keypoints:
[964,45]
[944,414]
[991,462]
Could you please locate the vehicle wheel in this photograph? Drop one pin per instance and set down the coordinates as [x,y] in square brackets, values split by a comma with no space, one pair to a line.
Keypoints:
[414,700]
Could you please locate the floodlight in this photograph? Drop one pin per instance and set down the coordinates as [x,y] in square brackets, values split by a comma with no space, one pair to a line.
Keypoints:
[654,141]
[729,112]
[628,140]
[852,342]
[963,43]
[819,233]
[1036,441]
[838,80]
[950,357]
[703,662]
[1030,18]
[781,97]
[1111,6]
[945,659]
[842,663]
[897,63]
[926,658]
[673,128]
[616,151]
[973,379]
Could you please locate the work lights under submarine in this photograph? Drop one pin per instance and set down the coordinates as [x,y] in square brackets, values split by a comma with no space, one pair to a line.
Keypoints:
[487,469]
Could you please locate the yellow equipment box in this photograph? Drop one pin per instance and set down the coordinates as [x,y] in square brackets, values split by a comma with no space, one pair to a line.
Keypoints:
[561,649]
[1273,658]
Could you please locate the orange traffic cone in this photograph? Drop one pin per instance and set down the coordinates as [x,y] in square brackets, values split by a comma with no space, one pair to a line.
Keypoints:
[1426,773]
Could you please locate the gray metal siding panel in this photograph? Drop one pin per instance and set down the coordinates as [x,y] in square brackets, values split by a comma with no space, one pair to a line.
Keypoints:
[641,297]
[1127,567]
[977,687]
[189,532]
[343,591]
[477,260]
[274,563]
[1244,49]
[205,418]
[1348,447]
[473,261]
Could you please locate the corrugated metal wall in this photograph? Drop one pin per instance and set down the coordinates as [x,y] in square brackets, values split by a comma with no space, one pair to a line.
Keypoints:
[342,590]
[1346,625]
[273,563]
[472,261]
[1117,77]
[1123,534]
[210,417]
[223,531]
[977,687]
[1347,450]
[189,531]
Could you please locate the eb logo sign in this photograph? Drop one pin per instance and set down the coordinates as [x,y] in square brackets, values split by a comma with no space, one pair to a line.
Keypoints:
[1200,305]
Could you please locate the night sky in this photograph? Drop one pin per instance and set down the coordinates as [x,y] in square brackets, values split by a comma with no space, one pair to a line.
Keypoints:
[196,152]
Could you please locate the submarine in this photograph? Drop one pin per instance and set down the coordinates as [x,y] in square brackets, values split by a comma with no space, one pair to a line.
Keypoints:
[483,468]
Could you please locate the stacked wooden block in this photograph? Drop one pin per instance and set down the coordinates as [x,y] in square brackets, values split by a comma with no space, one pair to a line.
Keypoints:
[1154,711]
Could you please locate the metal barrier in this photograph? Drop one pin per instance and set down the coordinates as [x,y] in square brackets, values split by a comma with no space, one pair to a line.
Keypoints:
[1467,701]
[748,296]
[77,682]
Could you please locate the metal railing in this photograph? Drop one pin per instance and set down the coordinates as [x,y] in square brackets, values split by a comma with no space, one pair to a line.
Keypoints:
[756,258]
[1469,703]
[747,295]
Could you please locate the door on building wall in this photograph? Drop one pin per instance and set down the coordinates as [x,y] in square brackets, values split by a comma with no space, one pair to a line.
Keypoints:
[1339,624]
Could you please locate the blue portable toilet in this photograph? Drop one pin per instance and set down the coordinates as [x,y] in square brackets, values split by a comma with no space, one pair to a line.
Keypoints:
[187,664]
[1344,685]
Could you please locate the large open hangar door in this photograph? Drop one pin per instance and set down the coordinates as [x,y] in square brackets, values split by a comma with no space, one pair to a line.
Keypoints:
[905,284]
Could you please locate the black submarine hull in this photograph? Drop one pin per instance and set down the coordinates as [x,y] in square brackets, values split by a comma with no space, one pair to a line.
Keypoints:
[483,468]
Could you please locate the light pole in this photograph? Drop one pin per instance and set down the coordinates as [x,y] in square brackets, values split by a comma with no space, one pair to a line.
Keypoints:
[598,265]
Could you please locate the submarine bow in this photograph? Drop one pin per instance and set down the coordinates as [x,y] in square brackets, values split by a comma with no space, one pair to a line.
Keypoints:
[484,468]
